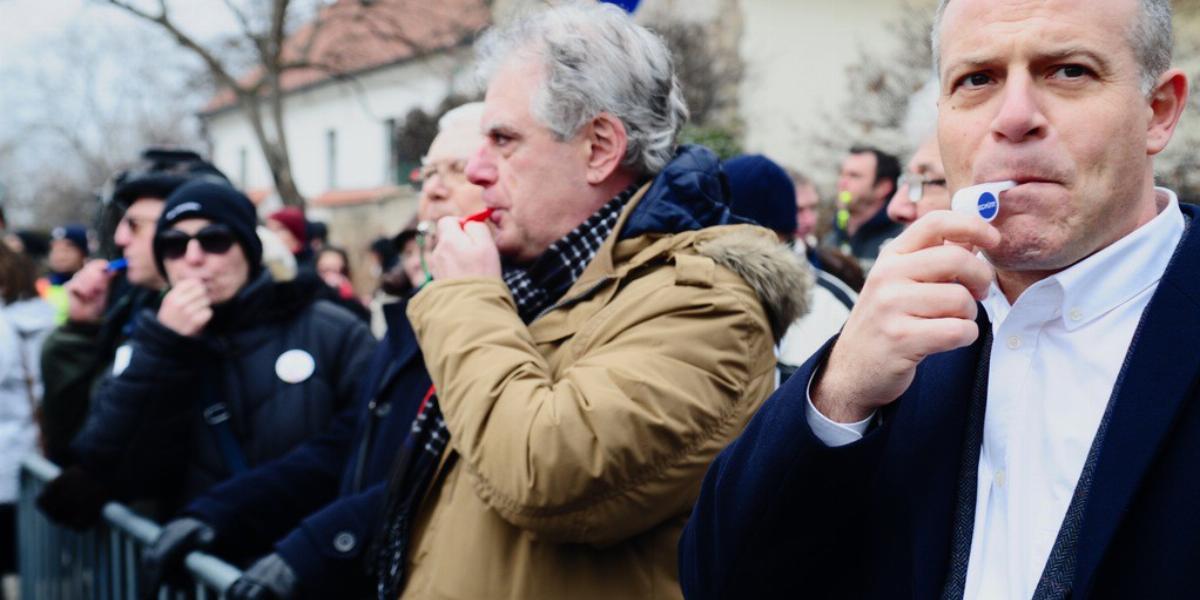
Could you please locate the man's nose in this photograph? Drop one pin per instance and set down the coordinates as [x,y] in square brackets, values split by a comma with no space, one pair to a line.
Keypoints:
[481,171]
[122,235]
[901,209]
[435,188]
[1020,115]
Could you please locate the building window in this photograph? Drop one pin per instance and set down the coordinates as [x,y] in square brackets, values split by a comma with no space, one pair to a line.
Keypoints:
[242,167]
[331,159]
[391,167]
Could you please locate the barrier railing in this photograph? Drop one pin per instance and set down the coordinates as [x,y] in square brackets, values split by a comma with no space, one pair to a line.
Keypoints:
[102,563]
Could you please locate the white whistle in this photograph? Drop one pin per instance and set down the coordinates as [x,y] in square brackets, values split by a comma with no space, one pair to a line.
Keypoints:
[982,200]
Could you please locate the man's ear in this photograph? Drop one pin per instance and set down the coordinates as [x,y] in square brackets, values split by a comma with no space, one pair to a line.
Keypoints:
[885,189]
[1167,102]
[606,141]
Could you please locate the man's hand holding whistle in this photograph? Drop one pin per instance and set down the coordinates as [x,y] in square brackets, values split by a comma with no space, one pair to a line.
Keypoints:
[465,248]
[919,300]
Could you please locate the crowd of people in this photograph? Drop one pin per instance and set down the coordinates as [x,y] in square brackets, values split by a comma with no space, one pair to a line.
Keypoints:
[640,371]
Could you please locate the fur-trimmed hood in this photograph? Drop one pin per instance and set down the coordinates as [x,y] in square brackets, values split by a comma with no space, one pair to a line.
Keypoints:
[691,194]
[781,279]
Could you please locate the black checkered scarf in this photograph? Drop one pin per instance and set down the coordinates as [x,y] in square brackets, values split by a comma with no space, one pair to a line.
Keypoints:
[538,286]
[534,289]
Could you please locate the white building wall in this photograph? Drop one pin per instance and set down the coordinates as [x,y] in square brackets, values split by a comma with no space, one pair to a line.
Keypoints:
[355,110]
[796,53]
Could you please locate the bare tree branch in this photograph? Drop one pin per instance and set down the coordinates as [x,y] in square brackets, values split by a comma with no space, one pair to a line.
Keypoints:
[244,22]
[406,25]
[162,20]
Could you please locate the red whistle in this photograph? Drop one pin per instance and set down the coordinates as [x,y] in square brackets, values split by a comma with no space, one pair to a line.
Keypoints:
[478,217]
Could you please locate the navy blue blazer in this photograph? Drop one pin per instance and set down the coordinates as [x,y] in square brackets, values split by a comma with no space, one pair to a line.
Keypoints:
[321,504]
[782,515]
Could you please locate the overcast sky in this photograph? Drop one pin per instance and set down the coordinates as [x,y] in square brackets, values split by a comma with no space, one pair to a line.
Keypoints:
[23,23]
[61,65]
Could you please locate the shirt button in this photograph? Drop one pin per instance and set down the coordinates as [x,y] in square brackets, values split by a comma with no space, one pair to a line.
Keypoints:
[1014,342]
[999,478]
[1075,314]
[344,542]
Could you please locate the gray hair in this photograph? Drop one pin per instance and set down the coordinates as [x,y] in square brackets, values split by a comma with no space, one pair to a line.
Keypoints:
[1150,35]
[596,60]
[464,115]
[920,117]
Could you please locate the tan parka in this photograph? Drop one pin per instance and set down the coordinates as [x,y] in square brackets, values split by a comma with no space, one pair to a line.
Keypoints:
[579,442]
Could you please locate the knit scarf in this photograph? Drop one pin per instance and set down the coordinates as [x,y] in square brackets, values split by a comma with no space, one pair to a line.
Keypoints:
[538,286]
[534,288]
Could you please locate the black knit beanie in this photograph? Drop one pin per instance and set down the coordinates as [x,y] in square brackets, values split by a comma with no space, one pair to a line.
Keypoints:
[218,203]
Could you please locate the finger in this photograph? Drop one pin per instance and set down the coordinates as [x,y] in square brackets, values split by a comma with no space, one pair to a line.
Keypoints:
[201,302]
[97,265]
[937,300]
[478,232]
[941,226]
[926,337]
[183,298]
[201,317]
[188,289]
[948,263]
[86,277]
[180,295]
[193,307]
[449,231]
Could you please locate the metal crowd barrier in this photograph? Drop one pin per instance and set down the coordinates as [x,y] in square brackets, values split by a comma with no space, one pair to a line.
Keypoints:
[102,563]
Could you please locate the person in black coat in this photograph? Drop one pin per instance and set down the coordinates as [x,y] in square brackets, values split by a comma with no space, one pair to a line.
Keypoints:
[1012,409]
[232,370]
[320,504]
[315,512]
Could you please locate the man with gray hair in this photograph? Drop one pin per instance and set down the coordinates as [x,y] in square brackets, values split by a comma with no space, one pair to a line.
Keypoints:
[594,343]
[1015,413]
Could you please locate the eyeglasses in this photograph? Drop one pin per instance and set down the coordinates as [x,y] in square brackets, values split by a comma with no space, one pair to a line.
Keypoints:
[449,170]
[916,185]
[213,239]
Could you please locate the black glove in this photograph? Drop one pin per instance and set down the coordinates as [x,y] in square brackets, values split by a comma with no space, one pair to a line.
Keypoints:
[73,499]
[269,578]
[163,560]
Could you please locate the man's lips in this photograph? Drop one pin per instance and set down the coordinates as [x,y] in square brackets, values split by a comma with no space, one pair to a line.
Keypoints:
[479,217]
[1020,179]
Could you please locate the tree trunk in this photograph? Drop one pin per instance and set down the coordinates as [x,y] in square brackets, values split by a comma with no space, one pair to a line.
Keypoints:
[274,151]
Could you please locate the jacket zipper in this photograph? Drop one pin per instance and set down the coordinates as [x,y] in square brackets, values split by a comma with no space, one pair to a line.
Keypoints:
[361,461]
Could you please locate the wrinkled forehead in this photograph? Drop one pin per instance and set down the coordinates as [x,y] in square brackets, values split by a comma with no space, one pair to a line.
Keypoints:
[978,31]
[511,92]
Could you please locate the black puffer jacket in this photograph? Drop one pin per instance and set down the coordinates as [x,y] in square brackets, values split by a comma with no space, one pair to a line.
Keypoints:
[146,435]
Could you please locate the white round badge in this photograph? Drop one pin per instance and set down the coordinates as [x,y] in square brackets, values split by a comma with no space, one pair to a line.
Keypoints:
[121,359]
[295,366]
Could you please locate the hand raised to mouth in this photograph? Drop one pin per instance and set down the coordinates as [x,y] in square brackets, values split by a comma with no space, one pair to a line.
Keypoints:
[919,300]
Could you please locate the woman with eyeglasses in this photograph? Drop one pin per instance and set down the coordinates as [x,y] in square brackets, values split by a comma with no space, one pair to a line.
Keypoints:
[233,369]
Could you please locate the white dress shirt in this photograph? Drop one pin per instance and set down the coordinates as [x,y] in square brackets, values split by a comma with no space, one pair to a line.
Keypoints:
[1056,354]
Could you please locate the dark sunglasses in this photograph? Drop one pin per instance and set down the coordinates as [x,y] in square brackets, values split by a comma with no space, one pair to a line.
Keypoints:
[213,239]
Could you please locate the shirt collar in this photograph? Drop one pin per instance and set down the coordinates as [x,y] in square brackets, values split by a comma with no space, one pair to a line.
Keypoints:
[1103,281]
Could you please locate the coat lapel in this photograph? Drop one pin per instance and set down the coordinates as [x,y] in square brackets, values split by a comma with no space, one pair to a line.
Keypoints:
[940,449]
[1160,369]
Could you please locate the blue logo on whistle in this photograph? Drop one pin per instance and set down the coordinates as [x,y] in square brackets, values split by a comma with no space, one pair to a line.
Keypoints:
[988,205]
